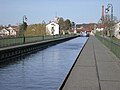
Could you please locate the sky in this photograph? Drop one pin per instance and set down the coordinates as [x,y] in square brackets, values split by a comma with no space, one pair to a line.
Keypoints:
[78,11]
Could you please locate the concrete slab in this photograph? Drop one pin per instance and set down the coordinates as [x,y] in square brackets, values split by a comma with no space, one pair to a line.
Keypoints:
[82,78]
[109,71]
[110,85]
[104,57]
[84,61]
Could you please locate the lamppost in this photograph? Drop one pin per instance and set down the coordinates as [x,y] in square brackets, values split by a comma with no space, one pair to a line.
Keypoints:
[111,20]
[24,18]
[43,27]
[111,17]
[24,27]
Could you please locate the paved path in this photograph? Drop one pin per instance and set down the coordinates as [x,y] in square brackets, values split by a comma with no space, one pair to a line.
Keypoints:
[96,69]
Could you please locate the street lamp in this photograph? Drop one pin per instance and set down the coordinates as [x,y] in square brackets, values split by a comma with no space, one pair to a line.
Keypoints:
[24,27]
[43,27]
[24,18]
[111,18]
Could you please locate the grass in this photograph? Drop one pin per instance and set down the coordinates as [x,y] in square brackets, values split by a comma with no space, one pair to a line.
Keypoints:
[113,45]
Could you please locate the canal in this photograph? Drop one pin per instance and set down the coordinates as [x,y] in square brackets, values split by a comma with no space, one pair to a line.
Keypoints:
[42,70]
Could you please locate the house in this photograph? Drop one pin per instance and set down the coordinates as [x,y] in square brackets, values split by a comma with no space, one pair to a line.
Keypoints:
[8,32]
[12,32]
[85,27]
[72,31]
[99,27]
[117,30]
[52,28]
[4,32]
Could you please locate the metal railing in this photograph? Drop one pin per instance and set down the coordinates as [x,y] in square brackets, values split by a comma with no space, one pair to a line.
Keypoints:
[113,45]
[12,41]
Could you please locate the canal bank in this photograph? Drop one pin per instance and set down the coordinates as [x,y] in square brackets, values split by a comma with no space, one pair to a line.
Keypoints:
[13,51]
[96,68]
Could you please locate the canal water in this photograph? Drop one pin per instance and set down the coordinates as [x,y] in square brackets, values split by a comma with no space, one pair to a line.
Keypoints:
[43,70]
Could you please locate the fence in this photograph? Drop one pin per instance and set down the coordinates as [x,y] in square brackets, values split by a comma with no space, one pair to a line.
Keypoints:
[11,41]
[111,44]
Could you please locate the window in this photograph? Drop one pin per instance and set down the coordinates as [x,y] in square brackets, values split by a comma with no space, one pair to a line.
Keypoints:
[52,29]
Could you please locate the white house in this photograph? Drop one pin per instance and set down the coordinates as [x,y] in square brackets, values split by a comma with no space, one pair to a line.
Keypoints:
[12,32]
[117,30]
[7,31]
[4,32]
[99,28]
[52,28]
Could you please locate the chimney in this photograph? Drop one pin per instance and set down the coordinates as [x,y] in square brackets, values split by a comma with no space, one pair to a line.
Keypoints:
[102,13]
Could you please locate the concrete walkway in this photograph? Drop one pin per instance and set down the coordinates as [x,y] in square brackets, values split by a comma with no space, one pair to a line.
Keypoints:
[96,69]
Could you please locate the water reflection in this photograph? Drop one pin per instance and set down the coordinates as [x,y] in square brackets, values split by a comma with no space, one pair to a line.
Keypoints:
[43,70]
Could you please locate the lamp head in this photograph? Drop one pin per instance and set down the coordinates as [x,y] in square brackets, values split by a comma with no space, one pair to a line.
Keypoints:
[106,10]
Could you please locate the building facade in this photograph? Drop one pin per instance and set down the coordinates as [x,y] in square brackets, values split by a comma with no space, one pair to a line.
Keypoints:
[8,32]
[117,30]
[52,28]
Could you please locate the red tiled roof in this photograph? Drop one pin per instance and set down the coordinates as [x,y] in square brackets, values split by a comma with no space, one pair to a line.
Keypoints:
[79,30]
[71,30]
[85,27]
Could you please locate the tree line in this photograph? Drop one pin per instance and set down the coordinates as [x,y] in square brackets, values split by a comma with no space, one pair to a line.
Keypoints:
[65,25]
[40,29]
